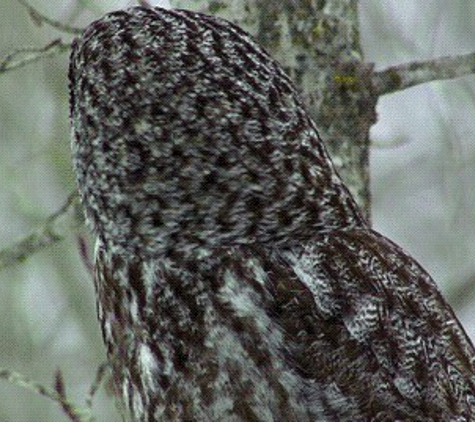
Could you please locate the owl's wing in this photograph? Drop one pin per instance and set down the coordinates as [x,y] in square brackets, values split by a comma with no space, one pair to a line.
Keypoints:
[363,319]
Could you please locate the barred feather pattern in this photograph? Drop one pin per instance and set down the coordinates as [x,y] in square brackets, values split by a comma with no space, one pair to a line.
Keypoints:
[236,279]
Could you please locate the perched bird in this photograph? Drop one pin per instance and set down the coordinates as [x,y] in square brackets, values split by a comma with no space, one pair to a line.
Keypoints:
[236,278]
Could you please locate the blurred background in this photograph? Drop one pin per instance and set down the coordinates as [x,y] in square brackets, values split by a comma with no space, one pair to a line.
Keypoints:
[423,174]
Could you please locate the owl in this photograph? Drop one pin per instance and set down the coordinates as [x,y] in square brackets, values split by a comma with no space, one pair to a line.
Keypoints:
[236,278]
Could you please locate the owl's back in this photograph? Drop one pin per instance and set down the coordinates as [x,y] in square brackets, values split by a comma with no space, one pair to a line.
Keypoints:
[236,279]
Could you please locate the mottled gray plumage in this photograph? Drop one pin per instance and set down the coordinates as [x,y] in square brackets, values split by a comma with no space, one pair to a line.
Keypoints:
[236,278]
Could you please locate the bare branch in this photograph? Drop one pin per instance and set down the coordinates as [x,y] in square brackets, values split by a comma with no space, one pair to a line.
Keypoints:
[100,375]
[40,239]
[85,255]
[39,19]
[394,143]
[404,76]
[24,56]
[60,388]
[75,413]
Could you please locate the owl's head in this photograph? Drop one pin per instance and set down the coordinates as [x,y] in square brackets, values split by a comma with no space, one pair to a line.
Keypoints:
[187,135]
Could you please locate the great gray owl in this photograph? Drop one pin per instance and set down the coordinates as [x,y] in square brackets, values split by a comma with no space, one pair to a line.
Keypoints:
[236,278]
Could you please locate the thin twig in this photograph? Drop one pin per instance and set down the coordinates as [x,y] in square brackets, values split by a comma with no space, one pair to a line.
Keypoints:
[40,239]
[68,408]
[24,56]
[404,76]
[85,255]
[394,143]
[39,19]
[100,375]
[75,413]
